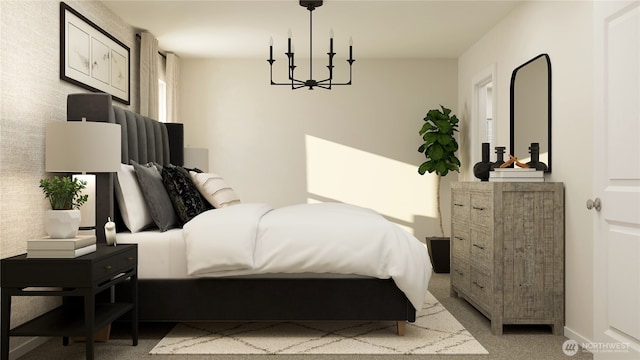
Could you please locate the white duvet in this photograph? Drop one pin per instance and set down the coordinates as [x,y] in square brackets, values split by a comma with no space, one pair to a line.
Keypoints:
[311,238]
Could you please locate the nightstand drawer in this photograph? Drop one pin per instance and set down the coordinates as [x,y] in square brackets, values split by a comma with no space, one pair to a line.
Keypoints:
[460,205]
[115,264]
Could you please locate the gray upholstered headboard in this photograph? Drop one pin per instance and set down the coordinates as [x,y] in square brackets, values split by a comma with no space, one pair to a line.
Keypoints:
[143,140]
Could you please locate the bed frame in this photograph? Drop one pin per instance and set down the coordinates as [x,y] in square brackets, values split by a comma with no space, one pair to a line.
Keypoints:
[227,299]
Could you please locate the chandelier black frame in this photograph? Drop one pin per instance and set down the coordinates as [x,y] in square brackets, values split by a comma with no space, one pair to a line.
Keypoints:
[297,84]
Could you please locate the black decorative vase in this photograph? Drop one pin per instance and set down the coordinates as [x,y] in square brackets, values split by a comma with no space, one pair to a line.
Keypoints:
[499,158]
[481,169]
[535,163]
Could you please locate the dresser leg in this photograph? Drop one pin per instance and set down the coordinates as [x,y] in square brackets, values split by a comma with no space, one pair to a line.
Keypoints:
[558,328]
[496,328]
[402,326]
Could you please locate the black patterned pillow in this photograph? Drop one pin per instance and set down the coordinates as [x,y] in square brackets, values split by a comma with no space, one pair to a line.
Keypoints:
[184,195]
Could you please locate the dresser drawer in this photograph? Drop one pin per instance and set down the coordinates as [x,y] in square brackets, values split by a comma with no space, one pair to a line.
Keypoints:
[481,248]
[460,274]
[481,289]
[481,208]
[116,264]
[460,240]
[460,205]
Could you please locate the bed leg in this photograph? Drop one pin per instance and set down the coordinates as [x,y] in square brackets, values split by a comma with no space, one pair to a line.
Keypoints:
[402,325]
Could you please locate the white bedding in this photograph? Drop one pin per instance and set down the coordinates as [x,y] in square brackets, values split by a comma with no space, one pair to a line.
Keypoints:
[248,239]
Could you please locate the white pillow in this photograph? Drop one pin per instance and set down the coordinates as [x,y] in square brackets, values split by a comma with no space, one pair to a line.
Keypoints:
[133,207]
[214,189]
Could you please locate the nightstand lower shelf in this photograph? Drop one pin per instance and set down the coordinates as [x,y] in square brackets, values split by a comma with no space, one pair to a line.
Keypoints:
[62,321]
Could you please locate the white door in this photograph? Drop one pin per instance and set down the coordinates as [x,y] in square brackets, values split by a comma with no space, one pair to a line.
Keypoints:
[617,180]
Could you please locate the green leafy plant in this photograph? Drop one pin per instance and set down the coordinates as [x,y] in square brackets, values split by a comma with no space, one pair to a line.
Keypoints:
[439,146]
[64,193]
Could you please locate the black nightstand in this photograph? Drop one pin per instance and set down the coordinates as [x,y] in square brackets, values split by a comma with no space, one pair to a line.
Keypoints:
[79,278]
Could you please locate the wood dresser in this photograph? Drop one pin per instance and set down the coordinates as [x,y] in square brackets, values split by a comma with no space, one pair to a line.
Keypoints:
[507,251]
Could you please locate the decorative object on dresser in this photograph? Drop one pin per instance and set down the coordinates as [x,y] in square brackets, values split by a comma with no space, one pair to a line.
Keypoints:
[499,158]
[508,251]
[439,148]
[73,147]
[516,175]
[481,169]
[534,151]
[61,248]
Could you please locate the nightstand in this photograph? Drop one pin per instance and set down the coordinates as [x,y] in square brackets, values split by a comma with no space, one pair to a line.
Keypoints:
[79,278]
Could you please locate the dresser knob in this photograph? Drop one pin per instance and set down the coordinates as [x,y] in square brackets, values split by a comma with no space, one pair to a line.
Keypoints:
[130,258]
[108,267]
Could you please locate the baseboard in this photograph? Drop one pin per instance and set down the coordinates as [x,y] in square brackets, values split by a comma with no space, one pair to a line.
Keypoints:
[575,336]
[27,346]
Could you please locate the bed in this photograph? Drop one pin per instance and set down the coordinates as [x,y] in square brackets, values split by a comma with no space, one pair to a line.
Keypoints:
[169,292]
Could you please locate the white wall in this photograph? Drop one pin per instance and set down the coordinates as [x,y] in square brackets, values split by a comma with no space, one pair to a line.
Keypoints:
[355,144]
[564,31]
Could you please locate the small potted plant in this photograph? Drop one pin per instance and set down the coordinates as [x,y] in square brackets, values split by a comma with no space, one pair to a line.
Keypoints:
[64,195]
[439,148]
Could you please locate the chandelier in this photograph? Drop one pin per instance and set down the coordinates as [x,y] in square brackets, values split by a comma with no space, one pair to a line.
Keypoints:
[311,83]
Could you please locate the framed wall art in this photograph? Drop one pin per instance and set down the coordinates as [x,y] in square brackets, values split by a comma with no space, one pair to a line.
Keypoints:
[92,58]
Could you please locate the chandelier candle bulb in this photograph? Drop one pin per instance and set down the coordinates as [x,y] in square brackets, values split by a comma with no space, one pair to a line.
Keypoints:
[350,48]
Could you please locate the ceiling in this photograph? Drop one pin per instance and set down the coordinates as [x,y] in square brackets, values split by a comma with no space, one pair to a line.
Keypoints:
[380,29]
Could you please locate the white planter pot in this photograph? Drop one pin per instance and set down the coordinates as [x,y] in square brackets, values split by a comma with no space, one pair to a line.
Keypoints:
[62,224]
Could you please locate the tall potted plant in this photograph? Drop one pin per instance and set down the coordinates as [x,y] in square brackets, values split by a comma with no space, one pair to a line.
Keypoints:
[439,148]
[65,197]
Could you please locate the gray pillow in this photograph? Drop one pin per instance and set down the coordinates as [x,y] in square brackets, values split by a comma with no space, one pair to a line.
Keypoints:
[156,196]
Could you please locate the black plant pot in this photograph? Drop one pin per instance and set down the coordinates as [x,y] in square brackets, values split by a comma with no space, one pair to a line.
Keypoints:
[439,253]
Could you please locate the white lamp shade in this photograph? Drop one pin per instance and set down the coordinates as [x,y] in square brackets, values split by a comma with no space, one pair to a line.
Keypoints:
[82,146]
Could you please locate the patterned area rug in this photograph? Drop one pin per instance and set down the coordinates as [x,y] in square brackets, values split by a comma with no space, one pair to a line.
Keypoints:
[435,331]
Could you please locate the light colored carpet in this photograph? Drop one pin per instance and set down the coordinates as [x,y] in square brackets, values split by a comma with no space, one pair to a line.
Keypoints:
[435,331]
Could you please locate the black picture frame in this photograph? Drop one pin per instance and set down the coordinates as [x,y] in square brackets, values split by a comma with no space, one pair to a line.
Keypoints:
[92,58]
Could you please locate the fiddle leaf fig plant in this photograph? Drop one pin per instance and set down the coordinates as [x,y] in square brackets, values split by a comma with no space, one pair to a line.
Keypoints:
[64,193]
[439,147]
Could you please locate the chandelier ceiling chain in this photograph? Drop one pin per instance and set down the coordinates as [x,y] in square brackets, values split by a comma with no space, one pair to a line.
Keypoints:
[311,83]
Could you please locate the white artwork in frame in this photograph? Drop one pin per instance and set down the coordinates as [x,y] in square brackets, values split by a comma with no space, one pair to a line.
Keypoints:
[92,58]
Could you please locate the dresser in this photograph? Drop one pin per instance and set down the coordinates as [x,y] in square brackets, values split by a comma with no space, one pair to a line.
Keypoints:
[507,251]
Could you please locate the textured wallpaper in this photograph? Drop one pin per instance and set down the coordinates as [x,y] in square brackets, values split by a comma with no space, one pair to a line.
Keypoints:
[32,94]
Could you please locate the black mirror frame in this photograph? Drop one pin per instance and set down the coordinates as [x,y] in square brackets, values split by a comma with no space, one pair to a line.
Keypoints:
[512,103]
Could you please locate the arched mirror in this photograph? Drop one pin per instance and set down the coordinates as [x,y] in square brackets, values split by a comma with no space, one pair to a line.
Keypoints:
[531,109]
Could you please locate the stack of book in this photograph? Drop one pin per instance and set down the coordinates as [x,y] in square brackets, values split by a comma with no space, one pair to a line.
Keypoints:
[516,175]
[61,248]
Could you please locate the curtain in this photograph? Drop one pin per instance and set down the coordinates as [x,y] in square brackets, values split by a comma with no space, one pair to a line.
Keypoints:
[173,82]
[148,75]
